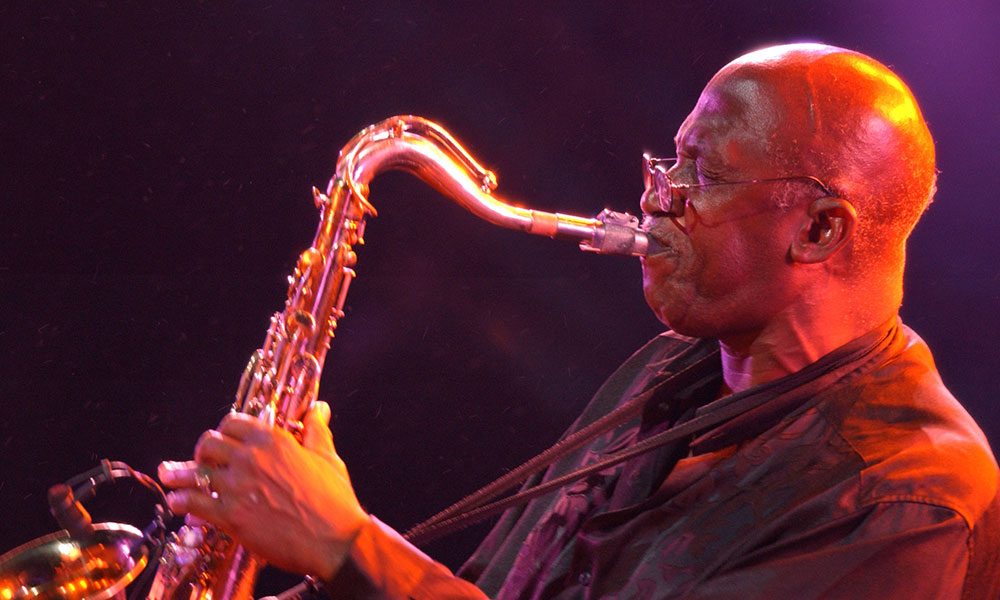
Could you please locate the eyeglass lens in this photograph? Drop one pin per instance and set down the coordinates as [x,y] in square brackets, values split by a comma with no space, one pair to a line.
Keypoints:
[668,197]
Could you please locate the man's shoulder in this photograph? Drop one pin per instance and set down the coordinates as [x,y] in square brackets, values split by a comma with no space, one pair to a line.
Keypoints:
[915,440]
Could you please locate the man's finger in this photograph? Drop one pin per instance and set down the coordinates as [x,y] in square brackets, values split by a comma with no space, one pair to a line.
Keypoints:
[177,474]
[199,504]
[191,475]
[245,428]
[316,434]
[214,448]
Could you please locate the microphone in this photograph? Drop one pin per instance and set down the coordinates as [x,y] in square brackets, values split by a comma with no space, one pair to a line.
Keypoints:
[69,513]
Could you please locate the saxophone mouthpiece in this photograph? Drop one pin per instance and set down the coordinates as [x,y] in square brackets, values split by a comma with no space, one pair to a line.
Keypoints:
[618,233]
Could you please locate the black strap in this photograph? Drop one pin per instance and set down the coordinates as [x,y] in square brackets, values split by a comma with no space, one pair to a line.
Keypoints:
[478,506]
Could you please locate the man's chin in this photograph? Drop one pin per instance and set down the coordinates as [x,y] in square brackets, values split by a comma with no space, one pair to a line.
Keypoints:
[686,323]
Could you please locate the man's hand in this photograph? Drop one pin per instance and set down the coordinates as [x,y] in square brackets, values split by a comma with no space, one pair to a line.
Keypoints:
[290,504]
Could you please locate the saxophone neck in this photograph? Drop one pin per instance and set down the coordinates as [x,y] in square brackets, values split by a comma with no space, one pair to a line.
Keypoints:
[426,150]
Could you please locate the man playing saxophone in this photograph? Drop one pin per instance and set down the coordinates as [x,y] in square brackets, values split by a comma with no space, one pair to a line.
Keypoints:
[834,462]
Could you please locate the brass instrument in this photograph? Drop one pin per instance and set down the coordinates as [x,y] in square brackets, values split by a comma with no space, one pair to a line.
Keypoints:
[282,378]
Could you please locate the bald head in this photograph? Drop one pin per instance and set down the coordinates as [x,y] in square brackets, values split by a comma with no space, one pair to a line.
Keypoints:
[845,118]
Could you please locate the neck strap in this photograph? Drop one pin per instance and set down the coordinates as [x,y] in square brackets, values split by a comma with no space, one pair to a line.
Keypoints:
[482,503]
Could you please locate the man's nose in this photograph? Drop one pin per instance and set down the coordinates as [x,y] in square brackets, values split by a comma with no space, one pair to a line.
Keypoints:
[648,204]
[651,208]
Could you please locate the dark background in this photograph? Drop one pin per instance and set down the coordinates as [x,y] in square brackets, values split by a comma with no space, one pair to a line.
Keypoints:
[157,164]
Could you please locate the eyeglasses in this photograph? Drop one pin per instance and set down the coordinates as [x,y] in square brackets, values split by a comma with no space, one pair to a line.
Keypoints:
[670,197]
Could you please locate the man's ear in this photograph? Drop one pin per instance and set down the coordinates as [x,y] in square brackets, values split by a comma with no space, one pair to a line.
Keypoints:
[830,226]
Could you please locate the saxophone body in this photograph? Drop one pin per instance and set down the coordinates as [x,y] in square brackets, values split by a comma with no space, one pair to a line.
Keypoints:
[200,562]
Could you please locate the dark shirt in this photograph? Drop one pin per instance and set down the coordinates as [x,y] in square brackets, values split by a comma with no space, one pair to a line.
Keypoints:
[859,476]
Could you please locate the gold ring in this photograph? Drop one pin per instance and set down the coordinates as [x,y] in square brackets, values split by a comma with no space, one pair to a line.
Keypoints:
[203,482]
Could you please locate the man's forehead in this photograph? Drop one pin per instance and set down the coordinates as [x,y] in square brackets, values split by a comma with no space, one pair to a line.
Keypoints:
[731,107]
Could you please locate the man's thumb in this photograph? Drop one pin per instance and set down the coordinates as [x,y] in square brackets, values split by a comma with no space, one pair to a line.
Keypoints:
[316,434]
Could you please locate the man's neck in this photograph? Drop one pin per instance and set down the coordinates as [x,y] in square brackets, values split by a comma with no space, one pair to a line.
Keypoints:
[786,346]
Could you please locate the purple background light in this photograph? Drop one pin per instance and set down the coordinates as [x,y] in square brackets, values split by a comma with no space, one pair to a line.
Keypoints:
[157,167]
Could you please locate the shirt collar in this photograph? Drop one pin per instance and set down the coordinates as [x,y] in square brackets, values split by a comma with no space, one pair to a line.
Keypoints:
[758,408]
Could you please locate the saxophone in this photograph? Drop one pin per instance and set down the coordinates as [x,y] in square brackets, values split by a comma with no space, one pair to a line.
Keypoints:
[199,561]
